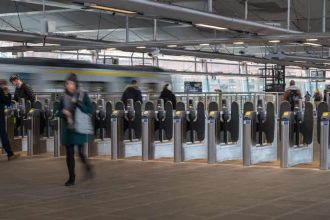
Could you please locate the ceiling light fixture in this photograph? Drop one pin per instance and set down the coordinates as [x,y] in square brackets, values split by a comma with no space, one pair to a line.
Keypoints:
[274,41]
[211,26]
[204,45]
[313,44]
[105,8]
[172,46]
[312,39]
[238,43]
[141,47]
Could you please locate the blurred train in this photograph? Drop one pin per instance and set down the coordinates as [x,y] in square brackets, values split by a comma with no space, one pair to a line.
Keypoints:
[48,75]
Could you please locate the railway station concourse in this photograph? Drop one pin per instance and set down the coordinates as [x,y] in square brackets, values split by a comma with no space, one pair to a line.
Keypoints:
[177,109]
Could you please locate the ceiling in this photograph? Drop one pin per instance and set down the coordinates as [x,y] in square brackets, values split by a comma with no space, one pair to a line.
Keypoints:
[81,27]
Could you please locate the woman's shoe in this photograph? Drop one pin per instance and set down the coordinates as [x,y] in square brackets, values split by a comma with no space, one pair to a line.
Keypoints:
[70,182]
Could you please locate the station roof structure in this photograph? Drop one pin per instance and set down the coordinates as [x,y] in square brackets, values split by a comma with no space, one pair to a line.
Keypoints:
[288,32]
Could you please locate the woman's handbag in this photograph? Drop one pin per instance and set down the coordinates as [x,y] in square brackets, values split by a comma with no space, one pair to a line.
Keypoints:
[82,121]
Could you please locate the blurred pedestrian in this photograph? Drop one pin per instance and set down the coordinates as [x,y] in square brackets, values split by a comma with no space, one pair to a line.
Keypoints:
[308,97]
[5,100]
[72,100]
[132,92]
[168,95]
[317,97]
[292,94]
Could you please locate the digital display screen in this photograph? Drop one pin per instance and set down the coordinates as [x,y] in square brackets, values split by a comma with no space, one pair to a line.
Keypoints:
[193,87]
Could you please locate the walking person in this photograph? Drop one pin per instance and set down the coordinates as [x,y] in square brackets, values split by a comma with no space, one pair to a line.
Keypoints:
[22,91]
[168,95]
[292,94]
[132,92]
[5,100]
[317,98]
[72,100]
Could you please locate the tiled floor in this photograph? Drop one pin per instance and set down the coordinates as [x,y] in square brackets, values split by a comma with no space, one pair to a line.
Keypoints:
[32,188]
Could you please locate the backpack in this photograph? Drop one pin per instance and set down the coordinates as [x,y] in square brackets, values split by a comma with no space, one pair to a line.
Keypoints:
[293,97]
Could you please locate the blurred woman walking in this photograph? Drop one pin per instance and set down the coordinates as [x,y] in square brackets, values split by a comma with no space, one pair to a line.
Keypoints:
[74,100]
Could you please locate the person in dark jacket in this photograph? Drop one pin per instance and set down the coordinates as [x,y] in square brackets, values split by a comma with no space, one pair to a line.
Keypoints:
[22,91]
[132,92]
[69,102]
[5,100]
[168,95]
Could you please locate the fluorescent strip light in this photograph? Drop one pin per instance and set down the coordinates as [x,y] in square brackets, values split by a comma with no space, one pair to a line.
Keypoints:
[312,39]
[238,43]
[313,44]
[274,41]
[211,26]
[111,49]
[172,46]
[141,47]
[112,9]
[204,45]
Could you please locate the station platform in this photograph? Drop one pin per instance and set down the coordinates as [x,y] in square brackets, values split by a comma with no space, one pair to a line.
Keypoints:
[32,188]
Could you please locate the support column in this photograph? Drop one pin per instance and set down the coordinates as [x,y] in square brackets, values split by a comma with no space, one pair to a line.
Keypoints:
[289,15]
[324,15]
[155,30]
[127,29]
[246,9]
[210,6]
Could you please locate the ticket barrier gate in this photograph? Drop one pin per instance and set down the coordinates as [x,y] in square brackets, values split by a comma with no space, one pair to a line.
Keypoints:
[45,132]
[224,133]
[157,131]
[57,126]
[296,134]
[126,130]
[100,143]
[323,117]
[259,136]
[15,142]
[21,113]
[189,132]
[35,143]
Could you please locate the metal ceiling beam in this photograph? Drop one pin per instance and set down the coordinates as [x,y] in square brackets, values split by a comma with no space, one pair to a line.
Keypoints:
[182,52]
[14,36]
[152,8]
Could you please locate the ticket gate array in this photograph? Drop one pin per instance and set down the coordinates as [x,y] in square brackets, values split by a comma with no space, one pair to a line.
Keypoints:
[189,132]
[259,133]
[160,132]
[157,131]
[224,133]
[296,134]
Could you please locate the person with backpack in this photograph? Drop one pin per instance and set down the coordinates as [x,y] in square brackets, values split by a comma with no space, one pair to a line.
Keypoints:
[292,94]
[317,98]
[167,95]
[74,99]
